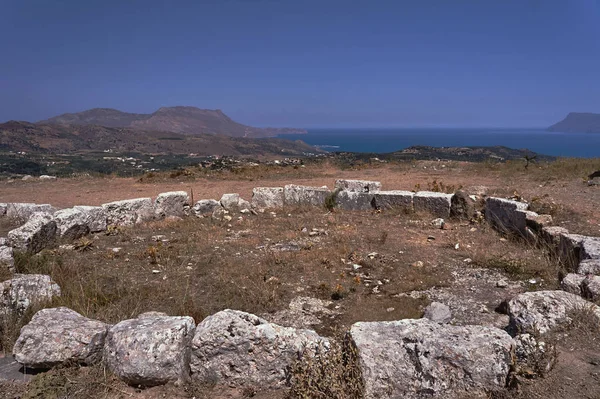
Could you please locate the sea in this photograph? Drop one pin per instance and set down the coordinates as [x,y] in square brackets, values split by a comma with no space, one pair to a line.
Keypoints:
[376,140]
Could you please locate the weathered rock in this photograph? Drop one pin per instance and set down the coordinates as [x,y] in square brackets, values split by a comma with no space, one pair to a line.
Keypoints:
[438,204]
[267,197]
[572,283]
[72,223]
[534,355]
[590,287]
[129,212]
[25,290]
[462,206]
[551,234]
[205,207]
[589,266]
[96,217]
[420,358]
[59,335]
[234,203]
[150,350]
[3,207]
[358,186]
[174,203]
[38,233]
[22,211]
[47,177]
[396,199]
[354,201]
[537,222]
[590,248]
[305,196]
[6,257]
[438,312]
[241,349]
[506,215]
[540,311]
[573,248]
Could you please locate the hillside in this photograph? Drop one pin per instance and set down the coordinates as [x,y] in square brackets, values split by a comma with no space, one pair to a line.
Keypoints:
[180,119]
[578,122]
[53,138]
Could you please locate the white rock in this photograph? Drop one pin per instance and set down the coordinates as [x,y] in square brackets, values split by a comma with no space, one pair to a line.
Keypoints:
[150,350]
[438,204]
[23,211]
[241,349]
[129,212]
[305,196]
[572,283]
[589,266]
[174,203]
[205,207]
[96,217]
[540,311]
[72,223]
[267,197]
[358,186]
[38,233]
[25,290]
[419,358]
[60,335]
[506,215]
[47,177]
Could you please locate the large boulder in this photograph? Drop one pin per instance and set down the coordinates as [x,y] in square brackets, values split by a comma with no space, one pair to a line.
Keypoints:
[358,186]
[25,290]
[267,197]
[421,358]
[22,211]
[395,199]
[72,223]
[234,203]
[438,204]
[96,217]
[38,233]
[6,257]
[462,206]
[540,311]
[506,215]
[129,212]
[153,349]
[354,200]
[205,207]
[305,196]
[241,349]
[57,336]
[174,203]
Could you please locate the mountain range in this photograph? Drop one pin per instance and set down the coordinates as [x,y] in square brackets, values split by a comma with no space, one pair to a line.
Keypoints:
[578,122]
[180,119]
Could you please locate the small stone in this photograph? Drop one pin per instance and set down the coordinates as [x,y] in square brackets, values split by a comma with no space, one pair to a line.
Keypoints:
[501,284]
[439,223]
[438,312]
[418,264]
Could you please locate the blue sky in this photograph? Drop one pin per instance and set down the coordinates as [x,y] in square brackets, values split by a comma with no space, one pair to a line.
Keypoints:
[306,63]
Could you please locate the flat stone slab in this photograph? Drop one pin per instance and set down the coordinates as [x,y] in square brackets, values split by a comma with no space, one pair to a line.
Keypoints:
[358,186]
[267,197]
[396,199]
[205,207]
[438,204]
[129,212]
[11,370]
[305,196]
[173,203]
[506,215]
[354,201]
[23,211]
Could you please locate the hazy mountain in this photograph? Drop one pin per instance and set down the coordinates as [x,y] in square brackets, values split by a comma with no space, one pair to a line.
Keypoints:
[57,138]
[184,120]
[578,122]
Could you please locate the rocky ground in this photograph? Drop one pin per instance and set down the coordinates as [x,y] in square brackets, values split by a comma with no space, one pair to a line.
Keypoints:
[308,267]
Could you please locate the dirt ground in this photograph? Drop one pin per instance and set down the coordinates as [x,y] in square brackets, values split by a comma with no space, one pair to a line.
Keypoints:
[306,267]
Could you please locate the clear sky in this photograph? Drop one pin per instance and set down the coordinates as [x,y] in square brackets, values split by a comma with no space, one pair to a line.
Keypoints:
[305,63]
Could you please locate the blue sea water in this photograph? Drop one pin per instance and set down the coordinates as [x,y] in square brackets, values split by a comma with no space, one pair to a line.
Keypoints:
[585,145]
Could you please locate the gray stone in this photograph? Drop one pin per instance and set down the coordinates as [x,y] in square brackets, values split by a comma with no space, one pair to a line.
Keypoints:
[234,203]
[533,354]
[573,248]
[537,222]
[438,312]
[241,349]
[57,336]
[358,186]
[6,257]
[267,197]
[396,199]
[419,358]
[506,215]
[174,203]
[26,290]
[438,204]
[72,223]
[594,182]
[572,283]
[462,206]
[354,201]
[590,248]
[540,311]
[129,212]
[590,287]
[205,207]
[589,266]
[150,350]
[21,212]
[38,233]
[551,234]
[97,218]
[3,207]
[305,196]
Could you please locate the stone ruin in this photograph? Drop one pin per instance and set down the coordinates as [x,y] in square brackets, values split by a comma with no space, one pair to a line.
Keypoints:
[410,358]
